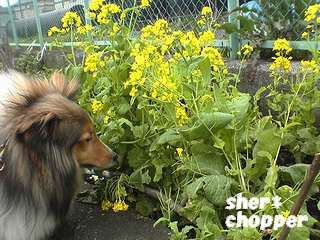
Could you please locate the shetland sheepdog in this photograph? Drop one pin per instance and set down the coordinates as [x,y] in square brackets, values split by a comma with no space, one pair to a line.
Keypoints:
[44,138]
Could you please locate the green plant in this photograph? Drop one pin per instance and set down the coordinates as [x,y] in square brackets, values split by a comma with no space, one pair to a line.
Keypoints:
[28,62]
[165,101]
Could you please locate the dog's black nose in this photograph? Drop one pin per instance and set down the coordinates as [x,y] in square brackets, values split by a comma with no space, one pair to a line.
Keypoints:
[115,157]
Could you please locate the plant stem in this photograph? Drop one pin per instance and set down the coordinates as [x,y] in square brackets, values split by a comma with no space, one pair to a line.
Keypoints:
[306,186]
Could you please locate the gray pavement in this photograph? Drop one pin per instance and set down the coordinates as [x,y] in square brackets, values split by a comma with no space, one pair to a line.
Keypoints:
[89,222]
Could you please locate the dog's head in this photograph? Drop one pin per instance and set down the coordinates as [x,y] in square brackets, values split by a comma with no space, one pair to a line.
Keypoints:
[48,115]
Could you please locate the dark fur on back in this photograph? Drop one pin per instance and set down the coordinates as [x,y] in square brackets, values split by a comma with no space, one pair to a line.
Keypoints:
[39,122]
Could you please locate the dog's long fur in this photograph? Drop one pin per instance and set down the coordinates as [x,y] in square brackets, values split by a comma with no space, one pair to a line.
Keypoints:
[47,136]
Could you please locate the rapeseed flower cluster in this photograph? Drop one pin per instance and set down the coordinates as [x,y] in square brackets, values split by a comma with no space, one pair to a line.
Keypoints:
[96,106]
[206,15]
[245,51]
[309,66]
[69,21]
[156,72]
[71,18]
[181,115]
[312,13]
[281,61]
[117,193]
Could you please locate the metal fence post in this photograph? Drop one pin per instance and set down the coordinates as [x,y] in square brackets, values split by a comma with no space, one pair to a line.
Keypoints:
[233,38]
[36,14]
[88,20]
[13,26]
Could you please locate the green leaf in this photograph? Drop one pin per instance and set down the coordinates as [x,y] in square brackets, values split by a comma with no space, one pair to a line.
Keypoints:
[216,188]
[205,68]
[264,152]
[170,137]
[206,223]
[123,107]
[209,123]
[272,177]
[159,164]
[299,233]
[219,98]
[137,178]
[203,158]
[246,233]
[186,66]
[137,157]
[145,205]
[246,23]
[231,28]
[140,131]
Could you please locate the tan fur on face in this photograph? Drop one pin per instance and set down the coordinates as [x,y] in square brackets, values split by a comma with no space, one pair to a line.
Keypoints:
[89,150]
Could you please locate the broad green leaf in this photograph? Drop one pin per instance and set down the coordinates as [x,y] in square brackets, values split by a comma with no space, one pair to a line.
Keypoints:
[246,233]
[186,66]
[272,177]
[140,131]
[246,23]
[264,152]
[296,174]
[205,68]
[299,233]
[205,160]
[159,164]
[216,188]
[145,205]
[138,179]
[206,223]
[137,157]
[123,106]
[170,137]
[209,123]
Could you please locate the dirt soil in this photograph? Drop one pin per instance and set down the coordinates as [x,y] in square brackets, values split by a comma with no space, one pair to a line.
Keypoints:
[89,222]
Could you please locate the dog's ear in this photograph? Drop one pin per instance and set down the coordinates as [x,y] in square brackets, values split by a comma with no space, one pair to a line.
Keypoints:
[68,90]
[34,129]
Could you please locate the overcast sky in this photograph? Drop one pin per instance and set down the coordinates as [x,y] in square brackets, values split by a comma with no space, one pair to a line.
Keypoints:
[3,3]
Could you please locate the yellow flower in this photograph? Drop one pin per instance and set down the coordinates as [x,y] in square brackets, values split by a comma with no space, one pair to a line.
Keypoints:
[305,35]
[311,12]
[206,10]
[181,116]
[96,106]
[123,15]
[133,91]
[145,3]
[71,18]
[106,205]
[96,4]
[286,213]
[207,97]
[91,63]
[85,29]
[179,151]
[106,119]
[245,50]
[214,56]
[282,45]
[281,63]
[206,37]
[309,65]
[120,206]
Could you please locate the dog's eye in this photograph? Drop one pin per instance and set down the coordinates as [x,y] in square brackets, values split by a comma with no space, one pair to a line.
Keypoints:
[88,139]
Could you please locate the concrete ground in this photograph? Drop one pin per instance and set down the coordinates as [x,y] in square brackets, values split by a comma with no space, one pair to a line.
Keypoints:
[89,222]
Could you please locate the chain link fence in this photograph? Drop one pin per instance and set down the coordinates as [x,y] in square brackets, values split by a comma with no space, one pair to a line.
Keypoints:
[24,20]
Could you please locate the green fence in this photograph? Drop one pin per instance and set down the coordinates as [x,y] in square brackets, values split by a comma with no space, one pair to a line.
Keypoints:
[27,22]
